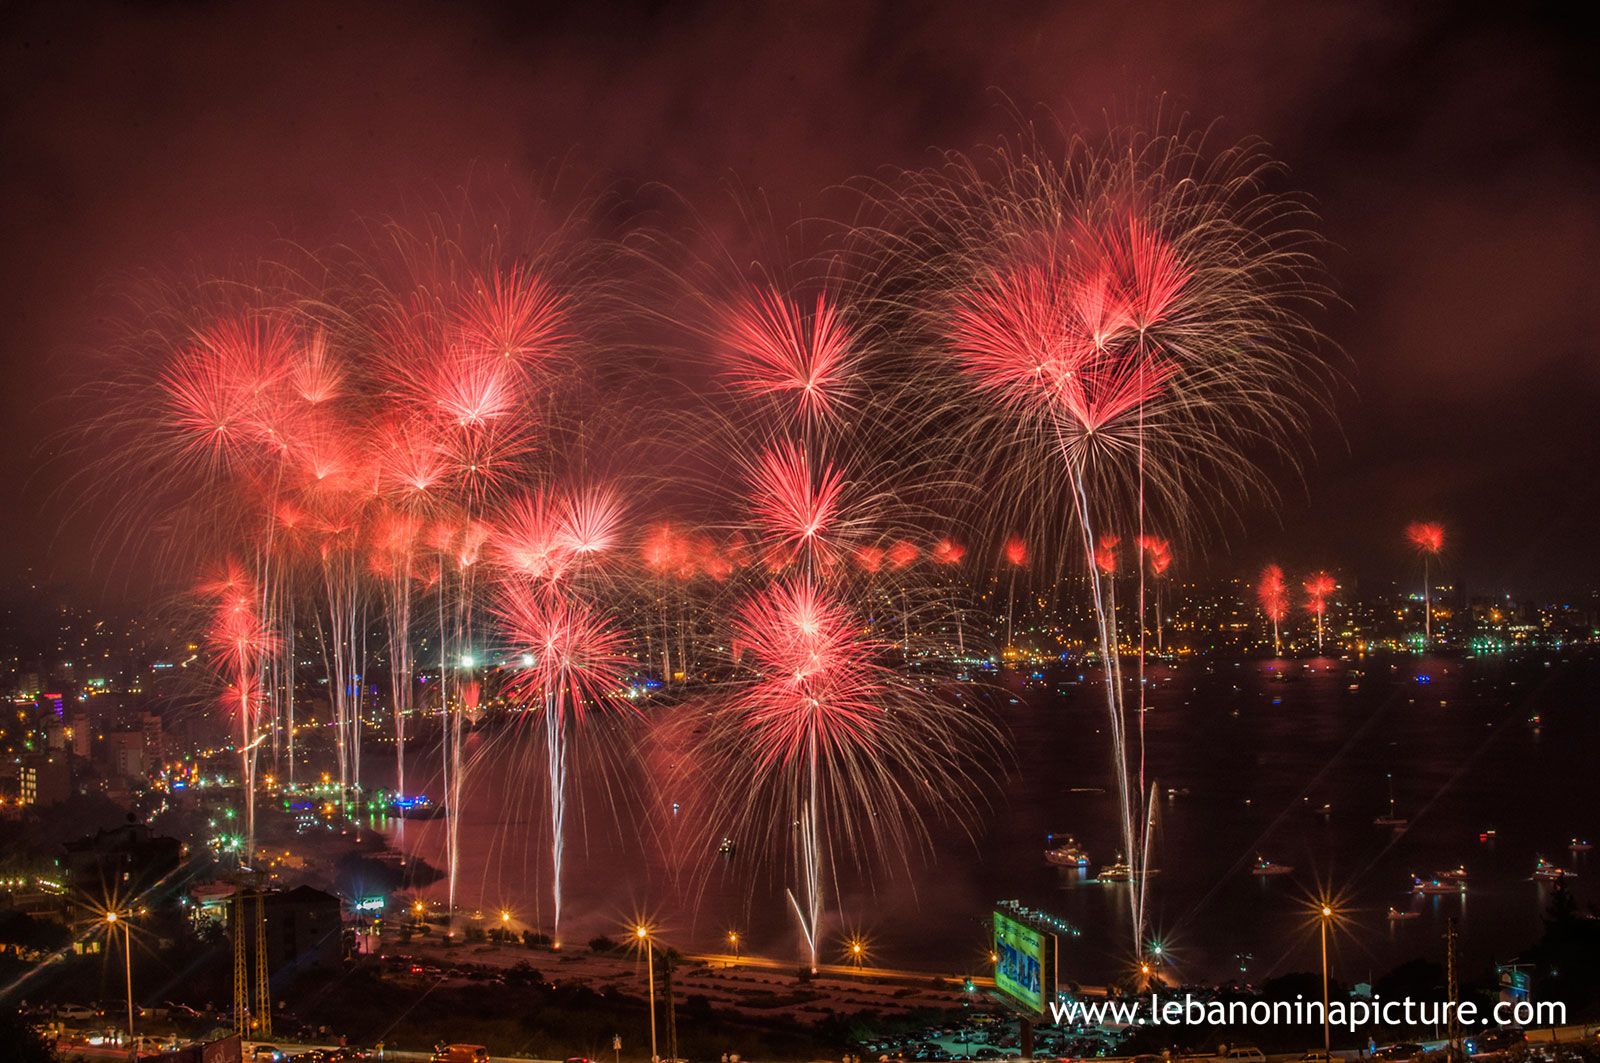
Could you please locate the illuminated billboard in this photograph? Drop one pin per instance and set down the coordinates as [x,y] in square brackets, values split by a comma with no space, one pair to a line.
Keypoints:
[1024,963]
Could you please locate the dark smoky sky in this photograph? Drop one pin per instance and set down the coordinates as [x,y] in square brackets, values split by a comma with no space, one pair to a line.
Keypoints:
[1450,147]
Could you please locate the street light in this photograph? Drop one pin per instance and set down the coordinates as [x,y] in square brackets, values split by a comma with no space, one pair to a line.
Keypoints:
[650,965]
[733,939]
[112,919]
[1327,913]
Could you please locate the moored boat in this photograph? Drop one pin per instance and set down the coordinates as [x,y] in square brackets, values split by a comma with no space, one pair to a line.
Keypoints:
[1544,869]
[1395,915]
[1068,854]
[1267,867]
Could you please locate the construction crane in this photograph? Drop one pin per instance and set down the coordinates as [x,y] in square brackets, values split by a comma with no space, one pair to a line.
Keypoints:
[242,1012]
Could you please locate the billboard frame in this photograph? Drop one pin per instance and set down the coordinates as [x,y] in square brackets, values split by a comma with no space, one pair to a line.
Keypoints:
[1021,949]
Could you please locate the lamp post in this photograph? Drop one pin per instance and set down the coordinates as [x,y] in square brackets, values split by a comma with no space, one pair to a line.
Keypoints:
[112,919]
[1327,913]
[733,939]
[650,966]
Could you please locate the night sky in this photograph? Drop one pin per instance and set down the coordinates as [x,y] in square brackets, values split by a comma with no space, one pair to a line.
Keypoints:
[1450,148]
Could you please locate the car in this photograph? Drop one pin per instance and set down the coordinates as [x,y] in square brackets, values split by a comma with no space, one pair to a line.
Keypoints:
[78,1013]
[1490,1042]
[579,1059]
[1402,1050]
[1317,1057]
[1242,1054]
[460,1054]
[267,1054]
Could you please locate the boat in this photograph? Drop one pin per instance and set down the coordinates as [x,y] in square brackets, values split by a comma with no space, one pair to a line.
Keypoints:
[1544,869]
[1121,872]
[418,807]
[1267,867]
[1579,846]
[1435,886]
[727,847]
[1390,820]
[1396,915]
[1486,836]
[1068,854]
[1459,874]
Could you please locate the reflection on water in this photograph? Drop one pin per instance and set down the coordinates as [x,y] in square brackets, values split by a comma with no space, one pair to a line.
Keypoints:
[1288,762]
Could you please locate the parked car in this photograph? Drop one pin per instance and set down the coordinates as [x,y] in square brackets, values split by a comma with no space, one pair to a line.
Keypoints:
[1490,1042]
[1403,1050]
[1242,1054]
[461,1054]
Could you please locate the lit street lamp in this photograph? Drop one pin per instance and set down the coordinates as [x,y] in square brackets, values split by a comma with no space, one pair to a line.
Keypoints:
[733,939]
[1327,913]
[112,918]
[650,966]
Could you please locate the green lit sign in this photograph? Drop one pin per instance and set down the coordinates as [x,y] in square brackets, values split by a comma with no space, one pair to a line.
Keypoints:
[1024,964]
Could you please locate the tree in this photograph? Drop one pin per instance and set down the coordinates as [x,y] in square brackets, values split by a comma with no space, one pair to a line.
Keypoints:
[23,1043]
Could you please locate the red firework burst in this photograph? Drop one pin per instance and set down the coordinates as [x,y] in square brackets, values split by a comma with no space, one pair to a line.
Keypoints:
[314,375]
[796,508]
[513,317]
[1318,588]
[903,553]
[775,348]
[578,658]
[1157,553]
[1062,336]
[529,539]
[1105,553]
[1016,551]
[224,394]
[1428,538]
[1273,594]
[817,687]
[590,521]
